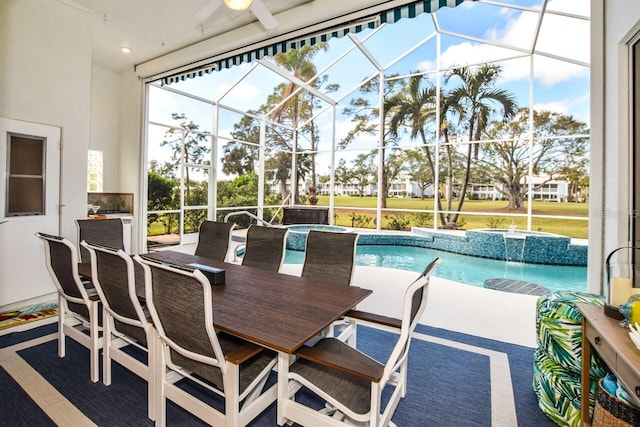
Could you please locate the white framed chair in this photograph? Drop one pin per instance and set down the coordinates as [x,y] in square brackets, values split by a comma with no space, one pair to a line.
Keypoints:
[188,346]
[351,382]
[78,306]
[265,247]
[331,257]
[125,321]
[214,239]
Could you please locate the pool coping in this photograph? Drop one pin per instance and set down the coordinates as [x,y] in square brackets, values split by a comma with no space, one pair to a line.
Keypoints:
[537,248]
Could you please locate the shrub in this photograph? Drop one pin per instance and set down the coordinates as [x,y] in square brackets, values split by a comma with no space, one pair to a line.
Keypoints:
[423,219]
[496,222]
[397,222]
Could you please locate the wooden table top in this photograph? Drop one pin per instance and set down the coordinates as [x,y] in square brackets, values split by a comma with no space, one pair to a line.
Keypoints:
[278,311]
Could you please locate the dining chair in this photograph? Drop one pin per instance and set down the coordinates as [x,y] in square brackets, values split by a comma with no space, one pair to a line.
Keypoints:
[214,239]
[189,347]
[125,322]
[351,382]
[330,257]
[265,247]
[78,306]
[108,232]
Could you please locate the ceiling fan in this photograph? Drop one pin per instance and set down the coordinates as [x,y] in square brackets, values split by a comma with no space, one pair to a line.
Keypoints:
[256,6]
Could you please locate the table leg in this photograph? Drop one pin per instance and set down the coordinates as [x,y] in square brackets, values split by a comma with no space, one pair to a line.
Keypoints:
[283,385]
[585,385]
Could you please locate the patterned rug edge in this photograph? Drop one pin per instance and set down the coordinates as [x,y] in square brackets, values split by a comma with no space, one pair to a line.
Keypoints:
[23,315]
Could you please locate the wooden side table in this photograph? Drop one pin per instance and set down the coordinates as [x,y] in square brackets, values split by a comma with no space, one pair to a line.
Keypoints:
[612,343]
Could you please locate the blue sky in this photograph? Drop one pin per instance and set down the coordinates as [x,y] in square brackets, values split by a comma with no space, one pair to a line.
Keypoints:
[472,33]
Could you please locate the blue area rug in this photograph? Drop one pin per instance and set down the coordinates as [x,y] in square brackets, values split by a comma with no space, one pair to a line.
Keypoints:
[17,408]
[447,386]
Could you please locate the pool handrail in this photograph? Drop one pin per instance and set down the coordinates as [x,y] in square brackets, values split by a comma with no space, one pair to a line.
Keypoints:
[249,214]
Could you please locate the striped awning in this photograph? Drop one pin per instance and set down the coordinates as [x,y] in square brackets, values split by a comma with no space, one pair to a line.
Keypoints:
[390,16]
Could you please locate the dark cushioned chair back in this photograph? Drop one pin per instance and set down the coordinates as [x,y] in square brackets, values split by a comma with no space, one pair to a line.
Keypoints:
[265,247]
[416,295]
[114,281]
[330,256]
[62,258]
[419,299]
[213,241]
[179,302]
[106,232]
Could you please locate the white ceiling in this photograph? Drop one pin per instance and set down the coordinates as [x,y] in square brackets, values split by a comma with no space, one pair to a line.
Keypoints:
[155,27]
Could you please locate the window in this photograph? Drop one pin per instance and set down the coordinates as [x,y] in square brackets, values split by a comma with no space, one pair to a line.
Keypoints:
[26,172]
[94,171]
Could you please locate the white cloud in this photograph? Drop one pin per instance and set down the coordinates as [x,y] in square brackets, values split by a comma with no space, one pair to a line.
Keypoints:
[239,95]
[559,36]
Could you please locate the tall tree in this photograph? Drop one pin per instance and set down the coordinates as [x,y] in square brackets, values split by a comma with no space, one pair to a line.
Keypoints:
[239,157]
[188,146]
[296,105]
[413,108]
[343,174]
[363,171]
[478,99]
[557,151]
[419,171]
[364,113]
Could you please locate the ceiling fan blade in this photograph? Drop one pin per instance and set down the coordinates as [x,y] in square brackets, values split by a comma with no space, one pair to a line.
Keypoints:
[207,10]
[262,13]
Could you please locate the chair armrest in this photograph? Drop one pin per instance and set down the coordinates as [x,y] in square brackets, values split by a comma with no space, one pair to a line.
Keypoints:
[374,318]
[365,368]
[243,353]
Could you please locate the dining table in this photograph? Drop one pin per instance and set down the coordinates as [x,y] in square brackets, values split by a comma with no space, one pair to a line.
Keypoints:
[278,311]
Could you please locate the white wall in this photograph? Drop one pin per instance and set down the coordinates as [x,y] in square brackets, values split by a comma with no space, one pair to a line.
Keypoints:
[621,22]
[45,77]
[104,132]
[131,143]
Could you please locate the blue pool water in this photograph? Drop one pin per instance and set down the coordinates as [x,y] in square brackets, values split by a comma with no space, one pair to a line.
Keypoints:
[462,268]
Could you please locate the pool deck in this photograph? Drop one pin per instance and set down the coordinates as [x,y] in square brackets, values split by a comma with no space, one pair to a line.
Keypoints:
[486,313]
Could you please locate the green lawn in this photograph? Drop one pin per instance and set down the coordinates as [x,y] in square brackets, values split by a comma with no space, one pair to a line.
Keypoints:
[360,212]
[348,207]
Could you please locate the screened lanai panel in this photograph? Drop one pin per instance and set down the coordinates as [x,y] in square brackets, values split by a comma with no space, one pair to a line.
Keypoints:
[423,58]
[459,51]
[574,7]
[346,74]
[562,86]
[565,37]
[196,186]
[236,125]
[251,91]
[192,220]
[323,163]
[175,109]
[402,37]
[162,157]
[323,139]
[518,30]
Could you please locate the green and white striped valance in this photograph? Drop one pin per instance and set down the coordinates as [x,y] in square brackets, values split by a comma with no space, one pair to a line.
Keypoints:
[390,16]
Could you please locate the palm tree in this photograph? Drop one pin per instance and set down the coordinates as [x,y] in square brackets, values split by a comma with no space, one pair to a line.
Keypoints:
[474,98]
[414,107]
[299,63]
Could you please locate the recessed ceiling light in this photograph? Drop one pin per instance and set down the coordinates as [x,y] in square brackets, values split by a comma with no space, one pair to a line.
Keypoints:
[238,4]
[125,49]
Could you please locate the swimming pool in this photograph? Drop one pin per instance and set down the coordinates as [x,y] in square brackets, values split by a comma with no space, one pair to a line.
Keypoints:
[462,268]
